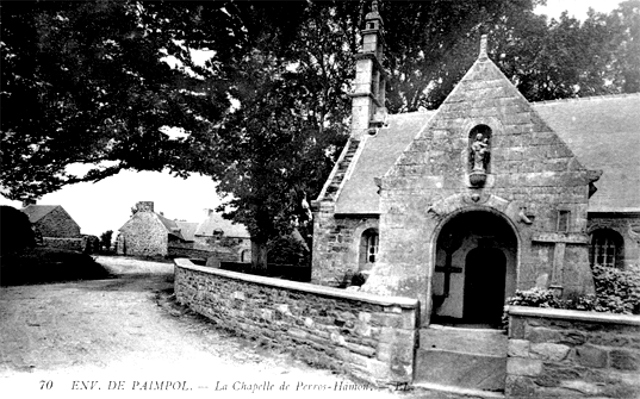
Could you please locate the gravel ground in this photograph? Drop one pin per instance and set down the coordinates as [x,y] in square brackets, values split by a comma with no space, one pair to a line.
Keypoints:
[125,337]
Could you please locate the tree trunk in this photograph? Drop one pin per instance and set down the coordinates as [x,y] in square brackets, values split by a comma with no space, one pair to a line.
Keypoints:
[259,256]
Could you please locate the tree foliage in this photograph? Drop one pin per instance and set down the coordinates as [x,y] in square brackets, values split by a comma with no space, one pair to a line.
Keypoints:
[105,240]
[118,85]
[16,233]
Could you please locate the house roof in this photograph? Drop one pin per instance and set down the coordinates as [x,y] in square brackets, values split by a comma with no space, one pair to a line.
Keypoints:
[37,212]
[603,132]
[170,225]
[187,229]
[215,221]
[379,152]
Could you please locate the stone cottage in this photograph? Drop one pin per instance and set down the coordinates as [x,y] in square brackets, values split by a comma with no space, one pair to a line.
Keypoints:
[460,206]
[53,226]
[52,221]
[148,233]
[222,238]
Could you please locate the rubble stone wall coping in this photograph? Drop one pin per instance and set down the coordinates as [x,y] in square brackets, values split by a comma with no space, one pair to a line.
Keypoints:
[576,315]
[304,287]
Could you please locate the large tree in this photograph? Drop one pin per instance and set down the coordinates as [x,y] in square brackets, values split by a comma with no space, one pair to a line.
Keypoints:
[116,85]
[86,83]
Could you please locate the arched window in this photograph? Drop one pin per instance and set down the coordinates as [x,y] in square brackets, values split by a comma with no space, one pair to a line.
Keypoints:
[368,248]
[606,248]
[245,256]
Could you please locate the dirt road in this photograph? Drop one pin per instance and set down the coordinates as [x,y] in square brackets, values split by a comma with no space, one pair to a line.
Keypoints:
[118,338]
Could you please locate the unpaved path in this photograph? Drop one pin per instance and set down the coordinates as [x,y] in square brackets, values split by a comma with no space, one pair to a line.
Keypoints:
[58,339]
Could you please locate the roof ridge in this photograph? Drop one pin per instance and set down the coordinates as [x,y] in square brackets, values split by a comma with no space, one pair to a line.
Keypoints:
[589,98]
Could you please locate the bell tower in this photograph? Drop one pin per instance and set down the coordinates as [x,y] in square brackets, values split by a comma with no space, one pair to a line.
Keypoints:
[368,96]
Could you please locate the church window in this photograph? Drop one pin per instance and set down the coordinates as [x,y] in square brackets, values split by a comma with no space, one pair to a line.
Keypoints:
[369,247]
[606,248]
[563,220]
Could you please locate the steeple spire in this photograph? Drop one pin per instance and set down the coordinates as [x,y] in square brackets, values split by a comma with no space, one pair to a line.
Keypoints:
[368,97]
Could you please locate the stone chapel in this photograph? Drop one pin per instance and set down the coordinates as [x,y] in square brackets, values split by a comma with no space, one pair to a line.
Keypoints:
[460,206]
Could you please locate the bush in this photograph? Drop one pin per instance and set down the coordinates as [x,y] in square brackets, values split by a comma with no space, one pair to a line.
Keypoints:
[16,234]
[617,291]
[351,279]
[105,240]
[288,251]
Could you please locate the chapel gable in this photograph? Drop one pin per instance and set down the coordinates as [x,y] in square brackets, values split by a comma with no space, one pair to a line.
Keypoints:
[485,151]
[486,136]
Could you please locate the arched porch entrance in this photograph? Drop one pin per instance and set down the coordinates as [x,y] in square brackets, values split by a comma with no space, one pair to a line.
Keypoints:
[476,256]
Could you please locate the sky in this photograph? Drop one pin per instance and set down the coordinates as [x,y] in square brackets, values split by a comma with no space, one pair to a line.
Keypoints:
[106,205]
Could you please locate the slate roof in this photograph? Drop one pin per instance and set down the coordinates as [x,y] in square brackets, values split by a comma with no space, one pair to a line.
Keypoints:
[216,221]
[603,132]
[37,212]
[170,225]
[360,194]
[187,229]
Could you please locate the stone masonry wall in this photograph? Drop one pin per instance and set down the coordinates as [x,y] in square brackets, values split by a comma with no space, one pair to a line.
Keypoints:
[226,249]
[369,337]
[58,223]
[336,244]
[571,354]
[72,244]
[533,177]
[143,235]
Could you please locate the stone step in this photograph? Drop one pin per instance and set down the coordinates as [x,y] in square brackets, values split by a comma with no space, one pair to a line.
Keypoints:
[476,341]
[436,391]
[460,370]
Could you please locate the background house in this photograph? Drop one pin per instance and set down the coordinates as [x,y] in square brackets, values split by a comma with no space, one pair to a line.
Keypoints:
[148,233]
[222,238]
[54,227]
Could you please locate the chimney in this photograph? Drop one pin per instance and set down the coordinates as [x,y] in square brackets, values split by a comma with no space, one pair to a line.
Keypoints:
[144,206]
[208,212]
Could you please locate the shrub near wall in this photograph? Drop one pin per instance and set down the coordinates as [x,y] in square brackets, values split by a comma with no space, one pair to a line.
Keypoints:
[369,337]
[71,244]
[557,353]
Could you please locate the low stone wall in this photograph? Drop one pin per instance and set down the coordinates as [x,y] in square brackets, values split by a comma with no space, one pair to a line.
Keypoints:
[571,354]
[369,337]
[72,244]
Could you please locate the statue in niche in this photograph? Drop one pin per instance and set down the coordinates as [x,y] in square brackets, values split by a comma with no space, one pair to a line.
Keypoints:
[480,151]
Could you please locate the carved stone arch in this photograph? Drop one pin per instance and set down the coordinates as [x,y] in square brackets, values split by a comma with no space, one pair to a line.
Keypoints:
[604,224]
[445,207]
[501,211]
[462,206]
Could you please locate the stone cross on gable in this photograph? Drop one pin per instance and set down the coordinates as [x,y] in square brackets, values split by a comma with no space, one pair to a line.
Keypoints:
[560,241]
